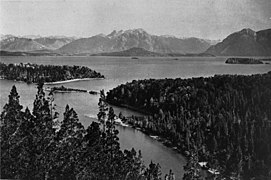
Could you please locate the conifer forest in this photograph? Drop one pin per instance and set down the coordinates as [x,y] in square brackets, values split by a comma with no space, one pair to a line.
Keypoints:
[223,120]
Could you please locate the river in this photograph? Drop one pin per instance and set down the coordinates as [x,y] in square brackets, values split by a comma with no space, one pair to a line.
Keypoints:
[118,70]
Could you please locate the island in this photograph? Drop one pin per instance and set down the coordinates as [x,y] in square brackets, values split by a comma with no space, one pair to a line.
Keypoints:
[63,89]
[34,73]
[243,61]
[222,121]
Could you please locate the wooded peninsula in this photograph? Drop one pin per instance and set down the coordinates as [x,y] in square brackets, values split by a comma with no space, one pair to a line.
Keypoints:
[224,121]
[34,73]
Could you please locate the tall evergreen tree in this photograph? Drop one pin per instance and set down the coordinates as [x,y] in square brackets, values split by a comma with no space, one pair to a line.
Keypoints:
[153,172]
[11,118]
[44,133]
[69,145]
[103,108]
[192,169]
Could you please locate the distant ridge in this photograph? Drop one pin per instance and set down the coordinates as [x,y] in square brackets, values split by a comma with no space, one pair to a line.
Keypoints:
[244,43]
[32,43]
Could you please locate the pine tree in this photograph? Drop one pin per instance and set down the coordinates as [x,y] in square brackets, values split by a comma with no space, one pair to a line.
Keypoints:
[44,133]
[153,172]
[133,165]
[27,149]
[192,169]
[112,146]
[11,118]
[103,108]
[69,145]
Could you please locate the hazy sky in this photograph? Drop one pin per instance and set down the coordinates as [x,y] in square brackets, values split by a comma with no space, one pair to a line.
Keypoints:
[213,19]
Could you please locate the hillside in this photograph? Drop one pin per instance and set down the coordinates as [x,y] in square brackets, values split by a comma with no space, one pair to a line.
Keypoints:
[123,40]
[53,43]
[244,43]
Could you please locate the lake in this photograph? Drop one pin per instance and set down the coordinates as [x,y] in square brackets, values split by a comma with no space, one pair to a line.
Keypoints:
[118,70]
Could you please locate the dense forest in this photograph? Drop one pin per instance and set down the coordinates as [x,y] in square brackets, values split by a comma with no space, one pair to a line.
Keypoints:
[38,145]
[33,73]
[223,120]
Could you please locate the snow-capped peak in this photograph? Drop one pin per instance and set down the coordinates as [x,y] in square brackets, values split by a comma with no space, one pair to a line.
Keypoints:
[115,34]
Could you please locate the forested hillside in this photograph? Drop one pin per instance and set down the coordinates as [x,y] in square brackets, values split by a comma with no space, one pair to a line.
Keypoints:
[224,120]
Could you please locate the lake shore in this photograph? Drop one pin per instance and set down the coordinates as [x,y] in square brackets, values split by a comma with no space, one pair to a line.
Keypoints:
[72,80]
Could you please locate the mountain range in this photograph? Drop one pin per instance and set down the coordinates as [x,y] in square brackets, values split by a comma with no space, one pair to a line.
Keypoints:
[243,43]
[123,40]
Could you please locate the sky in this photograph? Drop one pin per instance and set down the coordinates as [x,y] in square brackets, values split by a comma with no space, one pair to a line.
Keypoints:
[209,19]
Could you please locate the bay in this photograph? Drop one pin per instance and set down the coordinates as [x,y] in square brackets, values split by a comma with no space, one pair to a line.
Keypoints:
[119,70]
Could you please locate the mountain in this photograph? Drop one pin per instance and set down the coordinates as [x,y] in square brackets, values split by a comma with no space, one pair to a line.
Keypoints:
[135,51]
[20,44]
[54,42]
[32,43]
[244,43]
[123,40]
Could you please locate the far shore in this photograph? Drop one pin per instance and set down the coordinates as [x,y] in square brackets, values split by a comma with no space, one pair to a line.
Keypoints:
[71,80]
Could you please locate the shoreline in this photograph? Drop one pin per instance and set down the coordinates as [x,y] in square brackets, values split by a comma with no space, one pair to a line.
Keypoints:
[167,143]
[119,122]
[71,80]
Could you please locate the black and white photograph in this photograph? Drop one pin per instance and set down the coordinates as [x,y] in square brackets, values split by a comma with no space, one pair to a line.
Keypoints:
[135,89]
